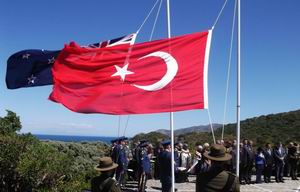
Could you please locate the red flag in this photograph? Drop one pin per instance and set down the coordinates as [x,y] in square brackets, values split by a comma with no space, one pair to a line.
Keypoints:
[158,76]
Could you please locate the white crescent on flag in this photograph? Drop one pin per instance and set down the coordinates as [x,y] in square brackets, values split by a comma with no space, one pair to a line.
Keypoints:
[172,68]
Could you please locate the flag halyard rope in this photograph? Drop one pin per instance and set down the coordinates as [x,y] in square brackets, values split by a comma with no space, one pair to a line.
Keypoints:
[154,25]
[228,70]
[141,26]
[220,13]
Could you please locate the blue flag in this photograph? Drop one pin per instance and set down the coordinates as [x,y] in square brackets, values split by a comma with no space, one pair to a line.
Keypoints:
[29,68]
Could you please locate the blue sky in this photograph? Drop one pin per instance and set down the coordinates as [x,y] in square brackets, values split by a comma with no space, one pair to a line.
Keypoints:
[270,80]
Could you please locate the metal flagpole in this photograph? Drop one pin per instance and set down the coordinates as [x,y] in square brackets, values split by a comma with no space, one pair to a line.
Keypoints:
[171,113]
[238,87]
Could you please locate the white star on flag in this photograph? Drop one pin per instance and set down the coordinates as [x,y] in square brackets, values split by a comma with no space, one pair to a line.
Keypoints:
[122,72]
[51,61]
[25,56]
[31,79]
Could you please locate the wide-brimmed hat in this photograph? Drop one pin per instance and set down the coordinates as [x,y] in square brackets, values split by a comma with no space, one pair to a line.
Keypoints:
[217,153]
[106,164]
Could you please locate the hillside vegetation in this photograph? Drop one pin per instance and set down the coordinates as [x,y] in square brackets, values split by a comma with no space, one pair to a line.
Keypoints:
[27,164]
[284,127]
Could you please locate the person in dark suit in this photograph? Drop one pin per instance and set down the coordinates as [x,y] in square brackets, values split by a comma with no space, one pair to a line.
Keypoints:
[250,160]
[144,166]
[244,156]
[119,156]
[159,148]
[293,160]
[105,182]
[268,153]
[279,156]
[216,178]
[165,160]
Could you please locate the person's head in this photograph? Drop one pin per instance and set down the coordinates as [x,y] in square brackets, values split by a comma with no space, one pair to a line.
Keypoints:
[268,146]
[217,154]
[122,142]
[185,146]
[144,144]
[259,150]
[126,142]
[206,146]
[179,145]
[279,144]
[250,142]
[199,148]
[159,145]
[234,142]
[227,144]
[166,145]
[106,166]
[245,142]
[295,144]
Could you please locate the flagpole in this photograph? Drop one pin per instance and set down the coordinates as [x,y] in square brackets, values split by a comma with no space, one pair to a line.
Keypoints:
[171,113]
[238,87]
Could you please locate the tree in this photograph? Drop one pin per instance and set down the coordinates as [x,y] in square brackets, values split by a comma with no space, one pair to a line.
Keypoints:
[10,123]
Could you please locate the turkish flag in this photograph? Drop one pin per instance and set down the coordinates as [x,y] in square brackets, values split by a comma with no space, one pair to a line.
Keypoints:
[158,76]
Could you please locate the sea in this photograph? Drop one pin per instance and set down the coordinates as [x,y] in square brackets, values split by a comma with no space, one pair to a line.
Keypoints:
[74,138]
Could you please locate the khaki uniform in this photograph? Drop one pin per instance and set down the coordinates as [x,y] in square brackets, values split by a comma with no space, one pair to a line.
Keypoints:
[104,184]
[217,183]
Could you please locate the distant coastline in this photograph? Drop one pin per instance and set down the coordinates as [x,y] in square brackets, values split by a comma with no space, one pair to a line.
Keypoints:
[73,138]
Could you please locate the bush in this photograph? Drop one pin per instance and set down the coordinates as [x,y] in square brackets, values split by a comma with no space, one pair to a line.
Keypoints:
[27,164]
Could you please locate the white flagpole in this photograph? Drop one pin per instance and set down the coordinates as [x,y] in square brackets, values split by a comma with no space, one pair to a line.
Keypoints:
[238,87]
[171,113]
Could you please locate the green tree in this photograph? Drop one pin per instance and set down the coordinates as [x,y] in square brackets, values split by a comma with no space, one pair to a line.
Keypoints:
[10,123]
[12,146]
[44,167]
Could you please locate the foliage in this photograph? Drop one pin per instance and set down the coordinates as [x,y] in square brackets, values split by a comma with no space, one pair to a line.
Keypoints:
[271,128]
[10,123]
[27,164]
[86,154]
[12,146]
[43,166]
[153,137]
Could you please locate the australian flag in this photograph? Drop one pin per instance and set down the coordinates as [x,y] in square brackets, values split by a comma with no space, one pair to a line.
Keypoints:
[33,67]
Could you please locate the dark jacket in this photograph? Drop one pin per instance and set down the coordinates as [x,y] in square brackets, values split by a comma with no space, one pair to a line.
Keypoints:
[165,166]
[279,156]
[292,154]
[269,157]
[215,180]
[103,183]
[119,157]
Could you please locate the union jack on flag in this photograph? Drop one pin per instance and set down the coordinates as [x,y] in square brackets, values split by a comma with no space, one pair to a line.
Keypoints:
[128,39]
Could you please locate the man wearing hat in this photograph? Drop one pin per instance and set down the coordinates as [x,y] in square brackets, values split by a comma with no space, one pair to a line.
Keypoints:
[216,178]
[105,182]
[165,160]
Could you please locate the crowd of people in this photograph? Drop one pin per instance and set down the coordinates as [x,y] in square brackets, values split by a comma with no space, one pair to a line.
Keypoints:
[214,165]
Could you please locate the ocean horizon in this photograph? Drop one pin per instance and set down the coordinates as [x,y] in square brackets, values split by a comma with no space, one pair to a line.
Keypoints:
[74,138]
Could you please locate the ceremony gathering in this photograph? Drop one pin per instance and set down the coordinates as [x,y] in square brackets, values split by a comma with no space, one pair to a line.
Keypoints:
[150,96]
